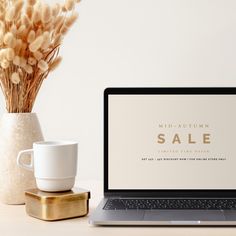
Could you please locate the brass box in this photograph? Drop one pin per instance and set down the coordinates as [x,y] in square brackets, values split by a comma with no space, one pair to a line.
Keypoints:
[57,206]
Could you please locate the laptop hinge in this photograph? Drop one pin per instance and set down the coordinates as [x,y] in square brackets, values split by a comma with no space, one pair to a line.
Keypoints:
[112,195]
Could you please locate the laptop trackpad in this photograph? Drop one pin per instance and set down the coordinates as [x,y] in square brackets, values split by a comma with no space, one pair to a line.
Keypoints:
[184,215]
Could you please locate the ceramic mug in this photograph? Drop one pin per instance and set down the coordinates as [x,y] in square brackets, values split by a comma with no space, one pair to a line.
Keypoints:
[54,164]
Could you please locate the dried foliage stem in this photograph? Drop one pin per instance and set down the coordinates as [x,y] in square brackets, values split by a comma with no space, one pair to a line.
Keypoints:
[31,33]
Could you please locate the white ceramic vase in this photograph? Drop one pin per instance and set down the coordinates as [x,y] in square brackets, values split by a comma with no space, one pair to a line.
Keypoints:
[18,131]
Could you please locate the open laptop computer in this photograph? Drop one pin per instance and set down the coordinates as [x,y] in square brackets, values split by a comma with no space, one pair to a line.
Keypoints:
[169,157]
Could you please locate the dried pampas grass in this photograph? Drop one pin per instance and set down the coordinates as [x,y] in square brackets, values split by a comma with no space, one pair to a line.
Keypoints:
[15,78]
[31,2]
[10,53]
[46,13]
[31,33]
[36,44]
[55,63]
[69,5]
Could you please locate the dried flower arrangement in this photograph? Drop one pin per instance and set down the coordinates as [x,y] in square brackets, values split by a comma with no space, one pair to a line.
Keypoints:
[31,33]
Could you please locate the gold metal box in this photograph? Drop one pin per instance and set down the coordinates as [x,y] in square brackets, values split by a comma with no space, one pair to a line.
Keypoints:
[57,206]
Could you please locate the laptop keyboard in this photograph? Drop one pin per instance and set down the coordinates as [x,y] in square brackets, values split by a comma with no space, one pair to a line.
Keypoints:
[157,204]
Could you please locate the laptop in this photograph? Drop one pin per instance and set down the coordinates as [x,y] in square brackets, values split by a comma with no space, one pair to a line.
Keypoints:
[169,157]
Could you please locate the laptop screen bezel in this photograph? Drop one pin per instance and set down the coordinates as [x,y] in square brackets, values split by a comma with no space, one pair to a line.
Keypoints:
[193,193]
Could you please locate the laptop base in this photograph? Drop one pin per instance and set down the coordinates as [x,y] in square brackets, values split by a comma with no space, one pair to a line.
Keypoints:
[162,217]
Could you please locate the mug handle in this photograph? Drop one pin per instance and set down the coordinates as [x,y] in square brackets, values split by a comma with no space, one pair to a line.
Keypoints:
[23,165]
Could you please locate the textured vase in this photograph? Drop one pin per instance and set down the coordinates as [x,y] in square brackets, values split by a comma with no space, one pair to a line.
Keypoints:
[18,131]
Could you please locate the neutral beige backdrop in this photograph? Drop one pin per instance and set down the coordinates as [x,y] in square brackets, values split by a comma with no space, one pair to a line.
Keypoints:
[133,43]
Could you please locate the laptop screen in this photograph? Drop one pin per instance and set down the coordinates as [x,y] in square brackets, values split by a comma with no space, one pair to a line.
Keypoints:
[171,141]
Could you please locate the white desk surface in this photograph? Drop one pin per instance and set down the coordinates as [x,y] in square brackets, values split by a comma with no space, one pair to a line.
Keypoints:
[14,221]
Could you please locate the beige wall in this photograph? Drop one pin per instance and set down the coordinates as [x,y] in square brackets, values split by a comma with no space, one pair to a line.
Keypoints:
[133,43]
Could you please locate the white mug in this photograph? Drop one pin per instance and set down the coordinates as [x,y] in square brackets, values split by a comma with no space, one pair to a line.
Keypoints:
[54,164]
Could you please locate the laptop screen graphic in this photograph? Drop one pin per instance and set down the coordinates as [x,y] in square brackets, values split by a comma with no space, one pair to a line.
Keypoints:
[160,141]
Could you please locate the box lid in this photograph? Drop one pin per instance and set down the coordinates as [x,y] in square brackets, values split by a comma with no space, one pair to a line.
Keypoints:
[55,197]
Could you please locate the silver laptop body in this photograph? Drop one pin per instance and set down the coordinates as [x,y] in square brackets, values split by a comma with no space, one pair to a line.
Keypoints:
[169,157]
